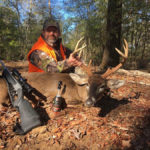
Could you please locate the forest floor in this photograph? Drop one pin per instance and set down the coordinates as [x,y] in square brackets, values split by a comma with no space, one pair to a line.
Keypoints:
[118,122]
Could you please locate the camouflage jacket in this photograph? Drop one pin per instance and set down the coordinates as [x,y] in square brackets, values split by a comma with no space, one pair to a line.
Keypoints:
[43,61]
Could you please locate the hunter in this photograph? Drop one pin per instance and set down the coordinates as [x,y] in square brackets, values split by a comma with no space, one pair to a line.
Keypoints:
[48,54]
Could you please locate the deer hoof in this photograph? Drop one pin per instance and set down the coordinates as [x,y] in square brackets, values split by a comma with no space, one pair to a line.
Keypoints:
[89,103]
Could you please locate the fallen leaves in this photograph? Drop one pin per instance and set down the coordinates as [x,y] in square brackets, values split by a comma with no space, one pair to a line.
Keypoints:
[75,127]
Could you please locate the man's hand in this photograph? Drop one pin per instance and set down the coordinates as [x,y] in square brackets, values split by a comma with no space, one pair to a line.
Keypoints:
[74,60]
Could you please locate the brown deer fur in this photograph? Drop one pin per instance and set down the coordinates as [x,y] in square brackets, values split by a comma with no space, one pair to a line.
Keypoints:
[75,89]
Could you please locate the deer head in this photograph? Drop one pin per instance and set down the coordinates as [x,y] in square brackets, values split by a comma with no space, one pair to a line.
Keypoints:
[97,84]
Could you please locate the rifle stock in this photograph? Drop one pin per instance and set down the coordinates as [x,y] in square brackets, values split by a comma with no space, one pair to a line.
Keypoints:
[28,116]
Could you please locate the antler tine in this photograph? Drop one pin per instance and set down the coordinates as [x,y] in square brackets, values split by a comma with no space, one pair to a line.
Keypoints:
[78,43]
[125,47]
[125,56]
[87,69]
[81,49]
[76,50]
[90,62]
[80,53]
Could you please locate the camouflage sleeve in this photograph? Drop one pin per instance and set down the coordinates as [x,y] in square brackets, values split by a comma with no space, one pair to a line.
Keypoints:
[41,60]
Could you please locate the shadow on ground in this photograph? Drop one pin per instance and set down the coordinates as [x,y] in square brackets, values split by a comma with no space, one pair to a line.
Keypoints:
[107,104]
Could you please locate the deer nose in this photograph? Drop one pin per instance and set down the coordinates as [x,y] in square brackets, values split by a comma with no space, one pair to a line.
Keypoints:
[90,102]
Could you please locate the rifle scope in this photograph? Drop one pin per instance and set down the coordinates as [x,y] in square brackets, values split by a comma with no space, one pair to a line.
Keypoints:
[22,81]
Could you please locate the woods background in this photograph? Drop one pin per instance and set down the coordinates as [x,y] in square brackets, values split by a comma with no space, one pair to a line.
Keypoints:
[103,23]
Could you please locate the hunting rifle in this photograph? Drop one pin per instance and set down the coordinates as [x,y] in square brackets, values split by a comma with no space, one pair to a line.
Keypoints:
[16,86]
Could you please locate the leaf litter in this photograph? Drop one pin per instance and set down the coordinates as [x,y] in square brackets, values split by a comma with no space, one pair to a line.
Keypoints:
[121,121]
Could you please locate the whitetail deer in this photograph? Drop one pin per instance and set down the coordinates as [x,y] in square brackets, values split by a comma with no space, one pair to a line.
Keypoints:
[88,89]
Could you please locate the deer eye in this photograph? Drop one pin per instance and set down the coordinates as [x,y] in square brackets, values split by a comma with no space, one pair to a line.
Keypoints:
[101,88]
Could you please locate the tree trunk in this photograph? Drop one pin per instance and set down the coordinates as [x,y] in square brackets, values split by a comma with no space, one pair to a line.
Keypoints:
[113,34]
[49,5]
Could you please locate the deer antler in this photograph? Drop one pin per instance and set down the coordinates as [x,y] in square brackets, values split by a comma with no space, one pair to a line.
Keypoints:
[125,55]
[87,69]
[76,50]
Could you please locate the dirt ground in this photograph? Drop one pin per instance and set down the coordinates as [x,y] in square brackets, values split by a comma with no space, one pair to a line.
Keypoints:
[120,121]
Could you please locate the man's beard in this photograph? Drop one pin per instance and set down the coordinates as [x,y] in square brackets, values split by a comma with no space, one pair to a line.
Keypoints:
[51,42]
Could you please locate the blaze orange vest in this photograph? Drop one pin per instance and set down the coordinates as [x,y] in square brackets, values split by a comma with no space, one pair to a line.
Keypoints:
[43,46]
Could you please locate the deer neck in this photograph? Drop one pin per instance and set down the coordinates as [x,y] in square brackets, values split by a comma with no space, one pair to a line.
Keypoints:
[82,91]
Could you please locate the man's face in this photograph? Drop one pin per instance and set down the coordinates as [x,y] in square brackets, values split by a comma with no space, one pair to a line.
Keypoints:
[51,35]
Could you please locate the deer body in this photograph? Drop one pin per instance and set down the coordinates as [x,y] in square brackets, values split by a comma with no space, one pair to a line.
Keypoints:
[46,84]
[4,97]
[75,89]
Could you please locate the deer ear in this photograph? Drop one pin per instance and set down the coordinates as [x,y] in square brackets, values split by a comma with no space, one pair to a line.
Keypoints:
[114,83]
[81,80]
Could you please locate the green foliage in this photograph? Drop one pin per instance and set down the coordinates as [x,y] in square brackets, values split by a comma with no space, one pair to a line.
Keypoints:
[21,24]
[8,33]
[87,20]
[136,30]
